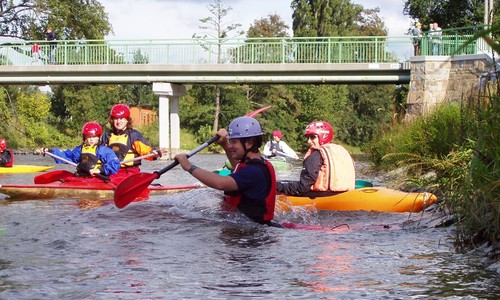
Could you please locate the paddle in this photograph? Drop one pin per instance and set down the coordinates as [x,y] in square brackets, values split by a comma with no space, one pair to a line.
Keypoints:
[132,186]
[51,176]
[287,155]
[69,162]
[257,111]
[138,158]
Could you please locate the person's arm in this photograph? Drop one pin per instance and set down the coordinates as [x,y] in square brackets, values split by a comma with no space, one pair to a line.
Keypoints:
[267,149]
[71,155]
[110,162]
[208,178]
[308,177]
[142,147]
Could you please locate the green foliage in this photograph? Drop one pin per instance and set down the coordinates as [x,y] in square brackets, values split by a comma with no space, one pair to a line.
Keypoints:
[433,136]
[70,19]
[448,14]
[460,145]
[272,26]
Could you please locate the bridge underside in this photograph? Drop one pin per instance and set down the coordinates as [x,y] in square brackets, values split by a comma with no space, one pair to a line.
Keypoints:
[358,73]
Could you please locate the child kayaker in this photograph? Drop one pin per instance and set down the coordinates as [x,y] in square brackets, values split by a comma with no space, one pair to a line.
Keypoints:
[6,155]
[92,157]
[127,142]
[251,186]
[327,169]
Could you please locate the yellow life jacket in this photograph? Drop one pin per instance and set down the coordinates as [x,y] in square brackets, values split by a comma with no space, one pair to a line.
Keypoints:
[121,145]
[88,158]
[337,172]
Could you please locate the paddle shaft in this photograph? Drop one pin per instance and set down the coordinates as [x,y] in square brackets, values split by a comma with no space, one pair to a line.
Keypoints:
[287,155]
[69,162]
[132,186]
[138,158]
[193,152]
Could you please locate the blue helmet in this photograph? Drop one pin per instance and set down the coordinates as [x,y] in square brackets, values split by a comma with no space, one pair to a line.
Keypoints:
[244,127]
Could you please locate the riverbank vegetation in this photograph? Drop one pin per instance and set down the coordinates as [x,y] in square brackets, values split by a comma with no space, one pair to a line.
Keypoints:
[454,152]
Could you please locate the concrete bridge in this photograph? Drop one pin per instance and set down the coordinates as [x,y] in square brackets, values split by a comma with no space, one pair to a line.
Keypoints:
[168,65]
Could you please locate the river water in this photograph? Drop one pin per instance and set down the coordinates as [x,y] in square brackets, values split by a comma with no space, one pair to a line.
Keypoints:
[183,246]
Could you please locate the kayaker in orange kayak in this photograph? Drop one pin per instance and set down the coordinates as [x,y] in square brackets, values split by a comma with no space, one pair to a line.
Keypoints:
[92,157]
[6,155]
[327,169]
[251,186]
[127,142]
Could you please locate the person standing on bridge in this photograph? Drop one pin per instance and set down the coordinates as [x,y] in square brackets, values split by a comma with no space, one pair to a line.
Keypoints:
[127,142]
[277,147]
[417,38]
[327,169]
[52,38]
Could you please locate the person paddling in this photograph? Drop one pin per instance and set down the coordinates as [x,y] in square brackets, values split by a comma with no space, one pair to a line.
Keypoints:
[92,157]
[6,155]
[277,147]
[327,168]
[127,142]
[251,186]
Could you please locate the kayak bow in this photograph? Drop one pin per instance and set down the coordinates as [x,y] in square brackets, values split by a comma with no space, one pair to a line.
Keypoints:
[24,169]
[80,190]
[370,198]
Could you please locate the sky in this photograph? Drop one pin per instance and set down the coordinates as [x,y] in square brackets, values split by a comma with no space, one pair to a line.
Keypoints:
[171,19]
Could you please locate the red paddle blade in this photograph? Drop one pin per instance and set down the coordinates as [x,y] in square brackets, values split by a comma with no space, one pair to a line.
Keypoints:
[132,187]
[52,176]
[256,112]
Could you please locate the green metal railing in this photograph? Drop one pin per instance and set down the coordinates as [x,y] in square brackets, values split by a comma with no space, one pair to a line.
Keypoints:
[321,50]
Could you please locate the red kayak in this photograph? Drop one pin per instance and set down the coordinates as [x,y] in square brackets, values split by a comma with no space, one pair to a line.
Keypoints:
[81,190]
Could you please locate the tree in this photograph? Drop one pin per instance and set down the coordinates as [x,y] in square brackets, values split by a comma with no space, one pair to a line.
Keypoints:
[70,19]
[324,17]
[215,27]
[272,26]
[448,13]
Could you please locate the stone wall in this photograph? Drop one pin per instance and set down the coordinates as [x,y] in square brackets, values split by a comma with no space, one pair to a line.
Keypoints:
[438,79]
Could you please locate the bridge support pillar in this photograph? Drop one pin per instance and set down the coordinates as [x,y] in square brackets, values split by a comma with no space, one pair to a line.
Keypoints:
[440,79]
[168,115]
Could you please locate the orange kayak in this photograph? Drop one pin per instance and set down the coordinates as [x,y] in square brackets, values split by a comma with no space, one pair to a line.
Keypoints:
[370,198]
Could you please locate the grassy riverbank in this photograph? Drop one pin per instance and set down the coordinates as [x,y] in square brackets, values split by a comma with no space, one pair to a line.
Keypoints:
[454,153]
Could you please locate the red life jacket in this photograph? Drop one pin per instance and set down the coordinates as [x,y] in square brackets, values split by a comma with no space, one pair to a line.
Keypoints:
[262,212]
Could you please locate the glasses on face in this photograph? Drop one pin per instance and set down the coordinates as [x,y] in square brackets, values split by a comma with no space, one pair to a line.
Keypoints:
[312,137]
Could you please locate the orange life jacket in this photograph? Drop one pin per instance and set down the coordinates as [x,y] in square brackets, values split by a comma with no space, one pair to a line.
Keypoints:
[337,172]
[262,212]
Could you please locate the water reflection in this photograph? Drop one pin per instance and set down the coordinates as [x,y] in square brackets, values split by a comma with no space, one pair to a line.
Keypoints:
[242,236]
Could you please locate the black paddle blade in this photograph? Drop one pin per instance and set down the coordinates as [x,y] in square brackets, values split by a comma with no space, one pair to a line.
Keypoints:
[132,187]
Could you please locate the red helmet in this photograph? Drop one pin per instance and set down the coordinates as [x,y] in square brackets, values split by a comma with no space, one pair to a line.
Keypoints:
[322,129]
[91,129]
[278,133]
[3,145]
[120,111]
